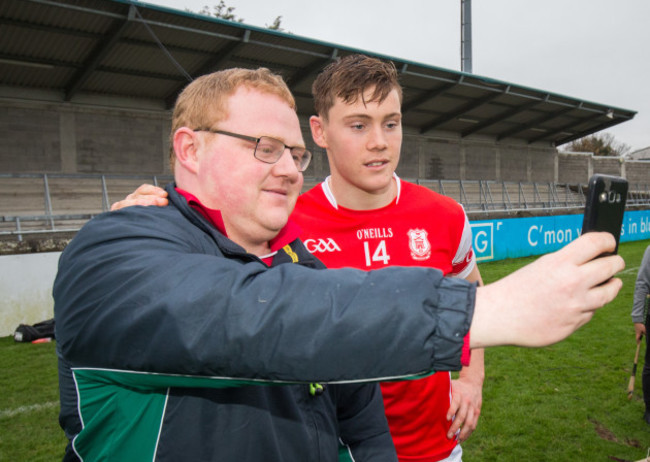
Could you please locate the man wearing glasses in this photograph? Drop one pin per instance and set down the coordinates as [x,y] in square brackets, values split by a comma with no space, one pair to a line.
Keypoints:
[269,150]
[203,331]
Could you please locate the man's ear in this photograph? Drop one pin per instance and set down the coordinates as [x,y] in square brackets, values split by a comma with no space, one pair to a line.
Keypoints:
[186,149]
[317,125]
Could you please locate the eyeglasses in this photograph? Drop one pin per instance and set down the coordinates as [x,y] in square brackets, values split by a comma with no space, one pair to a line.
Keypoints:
[269,150]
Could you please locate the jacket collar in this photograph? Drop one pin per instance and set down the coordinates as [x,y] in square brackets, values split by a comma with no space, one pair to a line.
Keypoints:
[211,221]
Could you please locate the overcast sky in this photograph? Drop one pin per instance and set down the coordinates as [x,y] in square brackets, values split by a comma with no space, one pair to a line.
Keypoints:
[595,50]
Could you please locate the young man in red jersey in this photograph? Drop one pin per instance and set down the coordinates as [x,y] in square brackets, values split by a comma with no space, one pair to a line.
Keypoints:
[364,216]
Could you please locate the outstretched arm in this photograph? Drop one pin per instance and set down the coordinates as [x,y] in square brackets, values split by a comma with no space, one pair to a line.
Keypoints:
[538,305]
[467,390]
[546,301]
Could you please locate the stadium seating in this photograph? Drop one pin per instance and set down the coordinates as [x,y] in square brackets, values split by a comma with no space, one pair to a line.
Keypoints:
[62,203]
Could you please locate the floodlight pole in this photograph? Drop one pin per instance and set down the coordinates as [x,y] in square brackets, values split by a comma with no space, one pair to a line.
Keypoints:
[466,36]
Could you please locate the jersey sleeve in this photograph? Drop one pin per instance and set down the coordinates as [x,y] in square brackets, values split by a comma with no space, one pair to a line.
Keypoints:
[464,260]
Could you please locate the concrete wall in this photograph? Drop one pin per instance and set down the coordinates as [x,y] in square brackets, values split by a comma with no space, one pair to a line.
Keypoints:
[119,143]
[34,139]
[543,165]
[437,158]
[26,288]
[608,165]
[578,168]
[480,161]
[451,158]
[637,172]
[574,167]
[66,138]
[94,136]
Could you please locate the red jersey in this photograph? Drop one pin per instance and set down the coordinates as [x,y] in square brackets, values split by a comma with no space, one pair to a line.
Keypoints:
[419,228]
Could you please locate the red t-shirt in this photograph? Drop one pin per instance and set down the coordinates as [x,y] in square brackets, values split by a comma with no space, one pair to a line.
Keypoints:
[419,228]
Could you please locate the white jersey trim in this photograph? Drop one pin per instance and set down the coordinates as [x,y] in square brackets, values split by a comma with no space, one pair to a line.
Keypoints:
[328,192]
[332,200]
[272,254]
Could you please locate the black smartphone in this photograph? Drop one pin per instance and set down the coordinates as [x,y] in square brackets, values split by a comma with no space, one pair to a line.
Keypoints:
[605,205]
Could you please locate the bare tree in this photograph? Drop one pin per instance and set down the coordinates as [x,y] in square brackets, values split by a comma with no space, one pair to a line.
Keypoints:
[276,24]
[600,145]
[223,11]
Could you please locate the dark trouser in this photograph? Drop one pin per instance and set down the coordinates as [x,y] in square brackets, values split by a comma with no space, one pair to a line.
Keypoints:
[646,370]
[645,377]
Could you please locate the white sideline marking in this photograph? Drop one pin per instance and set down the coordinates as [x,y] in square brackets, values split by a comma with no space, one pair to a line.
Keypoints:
[630,270]
[25,409]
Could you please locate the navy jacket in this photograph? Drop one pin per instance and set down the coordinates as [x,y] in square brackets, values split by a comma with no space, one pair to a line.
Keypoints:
[176,344]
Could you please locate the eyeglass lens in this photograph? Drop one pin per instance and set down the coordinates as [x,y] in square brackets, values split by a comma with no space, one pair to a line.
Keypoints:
[270,150]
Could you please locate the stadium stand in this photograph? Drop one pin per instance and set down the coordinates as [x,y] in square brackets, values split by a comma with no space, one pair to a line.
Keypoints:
[85,118]
[50,204]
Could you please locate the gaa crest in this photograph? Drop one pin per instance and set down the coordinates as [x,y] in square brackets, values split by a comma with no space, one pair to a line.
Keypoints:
[419,244]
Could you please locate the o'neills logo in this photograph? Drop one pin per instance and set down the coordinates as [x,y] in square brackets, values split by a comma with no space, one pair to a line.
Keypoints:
[419,244]
[321,245]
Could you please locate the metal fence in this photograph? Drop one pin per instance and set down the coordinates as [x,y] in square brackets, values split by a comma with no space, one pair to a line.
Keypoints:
[482,196]
[61,203]
[511,197]
[42,203]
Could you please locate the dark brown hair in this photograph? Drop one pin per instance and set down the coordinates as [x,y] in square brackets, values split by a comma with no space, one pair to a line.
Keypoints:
[349,77]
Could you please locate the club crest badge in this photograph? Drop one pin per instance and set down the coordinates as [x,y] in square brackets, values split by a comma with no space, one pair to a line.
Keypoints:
[419,244]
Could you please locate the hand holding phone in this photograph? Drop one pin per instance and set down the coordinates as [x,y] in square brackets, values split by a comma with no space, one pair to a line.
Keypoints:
[605,205]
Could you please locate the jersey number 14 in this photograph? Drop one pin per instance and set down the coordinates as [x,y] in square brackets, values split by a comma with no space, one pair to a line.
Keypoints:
[379,255]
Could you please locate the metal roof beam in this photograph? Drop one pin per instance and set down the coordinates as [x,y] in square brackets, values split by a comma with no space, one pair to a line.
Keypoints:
[223,55]
[36,62]
[457,80]
[82,9]
[149,44]
[427,96]
[500,118]
[540,120]
[89,35]
[274,66]
[147,74]
[314,66]
[234,37]
[48,28]
[540,97]
[584,133]
[462,111]
[98,54]
[565,127]
[24,61]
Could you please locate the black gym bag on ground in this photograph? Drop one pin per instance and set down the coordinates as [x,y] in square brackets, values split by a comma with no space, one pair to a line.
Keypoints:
[27,333]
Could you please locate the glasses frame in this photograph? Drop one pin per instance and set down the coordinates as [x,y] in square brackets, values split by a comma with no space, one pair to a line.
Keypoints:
[301,166]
